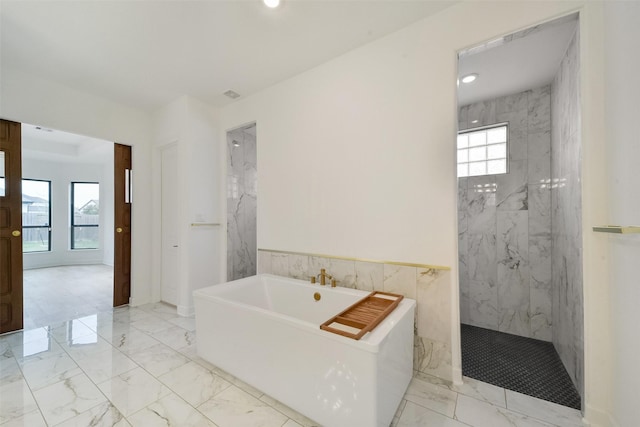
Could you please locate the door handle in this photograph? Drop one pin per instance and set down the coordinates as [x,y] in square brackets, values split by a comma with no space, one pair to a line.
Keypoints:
[15,233]
[118,230]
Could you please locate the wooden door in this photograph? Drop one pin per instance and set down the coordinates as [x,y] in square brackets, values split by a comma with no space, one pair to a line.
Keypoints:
[122,222]
[10,227]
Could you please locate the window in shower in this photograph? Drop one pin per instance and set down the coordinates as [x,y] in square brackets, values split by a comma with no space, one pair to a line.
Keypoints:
[483,151]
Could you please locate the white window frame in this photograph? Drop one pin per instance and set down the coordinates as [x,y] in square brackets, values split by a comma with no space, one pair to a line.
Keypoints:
[486,129]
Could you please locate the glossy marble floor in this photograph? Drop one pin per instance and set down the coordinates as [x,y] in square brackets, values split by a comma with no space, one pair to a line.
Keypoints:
[139,367]
[56,294]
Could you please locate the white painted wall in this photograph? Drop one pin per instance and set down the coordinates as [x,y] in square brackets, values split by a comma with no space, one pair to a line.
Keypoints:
[29,99]
[622,112]
[61,174]
[192,125]
[363,145]
[357,155]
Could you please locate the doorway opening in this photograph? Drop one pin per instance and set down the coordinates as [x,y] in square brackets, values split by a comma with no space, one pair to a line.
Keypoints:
[67,218]
[242,192]
[519,210]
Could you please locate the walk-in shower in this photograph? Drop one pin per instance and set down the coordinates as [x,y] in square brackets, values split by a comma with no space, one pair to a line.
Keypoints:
[519,221]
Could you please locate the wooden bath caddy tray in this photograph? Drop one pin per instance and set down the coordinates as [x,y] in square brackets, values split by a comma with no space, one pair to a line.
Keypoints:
[363,316]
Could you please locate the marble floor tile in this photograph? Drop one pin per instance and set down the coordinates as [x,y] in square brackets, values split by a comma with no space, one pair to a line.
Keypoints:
[20,338]
[111,330]
[170,411]
[236,408]
[246,387]
[133,390]
[176,337]
[31,419]
[416,416]
[132,341]
[396,416]
[178,387]
[129,315]
[16,400]
[470,387]
[159,359]
[43,372]
[431,396]
[482,414]
[9,369]
[188,323]
[36,350]
[151,325]
[194,383]
[160,309]
[86,348]
[543,410]
[294,415]
[70,330]
[106,365]
[66,399]
[103,415]
[49,291]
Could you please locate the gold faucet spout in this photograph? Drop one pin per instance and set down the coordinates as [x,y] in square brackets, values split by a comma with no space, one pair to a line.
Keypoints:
[324,276]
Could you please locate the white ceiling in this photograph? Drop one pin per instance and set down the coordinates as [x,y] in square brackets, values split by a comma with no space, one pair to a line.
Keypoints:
[520,62]
[147,53]
[58,146]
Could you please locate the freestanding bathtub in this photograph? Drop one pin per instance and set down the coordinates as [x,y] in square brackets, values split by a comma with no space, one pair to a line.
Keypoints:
[265,330]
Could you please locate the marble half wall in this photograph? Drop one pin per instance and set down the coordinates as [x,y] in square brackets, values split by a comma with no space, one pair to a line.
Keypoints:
[504,222]
[241,203]
[430,287]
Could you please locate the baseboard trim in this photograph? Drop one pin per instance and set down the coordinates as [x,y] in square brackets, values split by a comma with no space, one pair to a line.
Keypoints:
[594,417]
[186,310]
[136,302]
[456,376]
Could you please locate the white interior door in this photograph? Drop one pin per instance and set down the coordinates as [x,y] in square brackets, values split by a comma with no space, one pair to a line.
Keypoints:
[169,215]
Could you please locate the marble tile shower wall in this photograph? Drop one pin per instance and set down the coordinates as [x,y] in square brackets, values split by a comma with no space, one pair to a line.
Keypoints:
[429,287]
[241,204]
[566,215]
[505,223]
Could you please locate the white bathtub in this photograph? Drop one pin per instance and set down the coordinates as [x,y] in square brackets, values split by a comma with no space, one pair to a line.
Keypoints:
[265,330]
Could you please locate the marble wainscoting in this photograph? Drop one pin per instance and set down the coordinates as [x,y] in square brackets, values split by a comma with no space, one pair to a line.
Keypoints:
[430,287]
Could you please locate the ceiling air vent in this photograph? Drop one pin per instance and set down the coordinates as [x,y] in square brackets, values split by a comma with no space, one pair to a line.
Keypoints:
[232,94]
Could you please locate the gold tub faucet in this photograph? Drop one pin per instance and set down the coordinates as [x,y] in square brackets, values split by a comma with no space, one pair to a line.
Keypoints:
[323,278]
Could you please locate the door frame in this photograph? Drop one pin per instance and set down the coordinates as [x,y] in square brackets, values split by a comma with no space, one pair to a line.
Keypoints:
[122,252]
[161,150]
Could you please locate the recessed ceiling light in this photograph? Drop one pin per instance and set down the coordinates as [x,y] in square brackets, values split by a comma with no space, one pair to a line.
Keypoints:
[474,121]
[469,78]
[272,3]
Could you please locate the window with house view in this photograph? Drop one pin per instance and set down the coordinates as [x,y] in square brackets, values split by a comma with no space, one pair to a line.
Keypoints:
[85,215]
[36,215]
[482,151]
